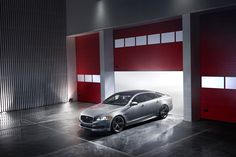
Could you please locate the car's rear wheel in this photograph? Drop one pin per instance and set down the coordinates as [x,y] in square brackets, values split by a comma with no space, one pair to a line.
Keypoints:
[163,112]
[118,124]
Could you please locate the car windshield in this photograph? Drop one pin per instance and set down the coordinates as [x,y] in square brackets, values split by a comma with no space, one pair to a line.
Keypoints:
[119,99]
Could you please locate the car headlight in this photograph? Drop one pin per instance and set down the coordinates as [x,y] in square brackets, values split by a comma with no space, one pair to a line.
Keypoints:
[104,118]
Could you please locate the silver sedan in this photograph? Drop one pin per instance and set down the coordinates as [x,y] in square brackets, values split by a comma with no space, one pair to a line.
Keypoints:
[125,108]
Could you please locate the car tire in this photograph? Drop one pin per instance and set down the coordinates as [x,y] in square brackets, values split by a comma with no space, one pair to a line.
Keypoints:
[163,112]
[118,124]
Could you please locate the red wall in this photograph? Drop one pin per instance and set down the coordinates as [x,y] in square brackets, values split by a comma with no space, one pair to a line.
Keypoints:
[88,62]
[89,92]
[87,54]
[157,57]
[218,58]
[218,104]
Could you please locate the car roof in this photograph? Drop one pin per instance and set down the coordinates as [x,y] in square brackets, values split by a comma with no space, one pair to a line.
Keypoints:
[133,92]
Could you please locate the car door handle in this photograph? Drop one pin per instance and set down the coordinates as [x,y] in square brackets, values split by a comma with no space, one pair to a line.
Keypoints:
[142,105]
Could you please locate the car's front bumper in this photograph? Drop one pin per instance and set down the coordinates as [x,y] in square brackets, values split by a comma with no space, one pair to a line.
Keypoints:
[103,125]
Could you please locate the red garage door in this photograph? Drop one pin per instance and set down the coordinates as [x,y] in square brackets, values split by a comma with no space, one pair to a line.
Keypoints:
[218,66]
[153,47]
[88,68]
[150,57]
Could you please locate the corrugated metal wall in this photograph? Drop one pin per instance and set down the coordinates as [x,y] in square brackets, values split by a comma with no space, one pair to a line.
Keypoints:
[33,53]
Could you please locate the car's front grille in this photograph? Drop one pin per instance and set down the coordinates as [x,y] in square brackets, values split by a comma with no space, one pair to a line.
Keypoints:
[86,119]
[92,127]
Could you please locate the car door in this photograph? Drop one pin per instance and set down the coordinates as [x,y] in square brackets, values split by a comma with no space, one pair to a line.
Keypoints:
[132,113]
[151,104]
[135,112]
[148,103]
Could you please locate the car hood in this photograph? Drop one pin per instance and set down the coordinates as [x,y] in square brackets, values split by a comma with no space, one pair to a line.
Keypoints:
[100,109]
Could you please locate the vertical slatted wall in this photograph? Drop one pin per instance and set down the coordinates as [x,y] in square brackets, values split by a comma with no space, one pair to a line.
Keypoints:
[33,53]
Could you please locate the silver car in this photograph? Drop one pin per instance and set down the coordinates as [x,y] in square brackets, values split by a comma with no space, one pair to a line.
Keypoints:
[125,108]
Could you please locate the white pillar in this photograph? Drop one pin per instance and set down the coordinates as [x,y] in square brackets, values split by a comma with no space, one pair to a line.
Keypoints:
[191,64]
[71,68]
[106,63]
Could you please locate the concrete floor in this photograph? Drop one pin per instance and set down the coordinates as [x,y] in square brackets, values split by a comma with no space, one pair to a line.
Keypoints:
[54,131]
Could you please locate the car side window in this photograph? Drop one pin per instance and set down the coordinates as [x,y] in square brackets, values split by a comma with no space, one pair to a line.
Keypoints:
[153,95]
[139,98]
[158,95]
[143,97]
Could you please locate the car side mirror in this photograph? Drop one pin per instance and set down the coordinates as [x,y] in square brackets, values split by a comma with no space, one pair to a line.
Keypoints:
[134,103]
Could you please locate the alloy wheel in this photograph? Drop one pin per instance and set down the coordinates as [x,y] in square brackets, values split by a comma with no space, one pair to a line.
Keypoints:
[118,124]
[164,111]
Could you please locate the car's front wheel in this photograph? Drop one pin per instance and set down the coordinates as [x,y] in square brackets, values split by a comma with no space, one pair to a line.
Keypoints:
[118,124]
[163,112]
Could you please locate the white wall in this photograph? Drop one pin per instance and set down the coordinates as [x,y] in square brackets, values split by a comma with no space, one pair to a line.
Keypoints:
[167,82]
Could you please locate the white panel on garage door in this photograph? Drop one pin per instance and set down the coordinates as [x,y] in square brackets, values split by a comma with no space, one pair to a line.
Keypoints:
[230,82]
[168,37]
[129,42]
[212,82]
[141,40]
[80,78]
[179,36]
[88,78]
[96,78]
[119,43]
[154,39]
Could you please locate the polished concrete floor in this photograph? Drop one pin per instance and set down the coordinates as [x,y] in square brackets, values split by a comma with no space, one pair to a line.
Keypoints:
[54,131]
